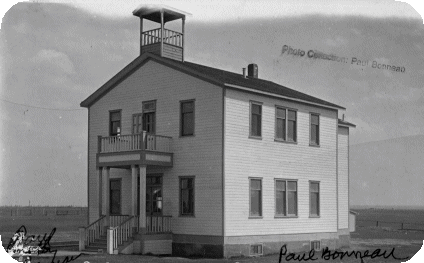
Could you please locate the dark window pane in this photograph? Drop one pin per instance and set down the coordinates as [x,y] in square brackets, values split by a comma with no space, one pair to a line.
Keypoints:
[292,115]
[281,113]
[256,109]
[255,184]
[314,204]
[291,186]
[314,134]
[281,129]
[187,107]
[314,187]
[256,125]
[280,202]
[115,116]
[281,185]
[314,119]
[255,202]
[292,203]
[291,133]
[188,124]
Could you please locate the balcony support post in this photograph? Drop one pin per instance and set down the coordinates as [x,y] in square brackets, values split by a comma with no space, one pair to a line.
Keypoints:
[133,190]
[106,172]
[101,190]
[142,202]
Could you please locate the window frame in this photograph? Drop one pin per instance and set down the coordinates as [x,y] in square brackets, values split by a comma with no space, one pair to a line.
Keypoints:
[110,122]
[182,102]
[318,199]
[286,214]
[260,104]
[250,198]
[317,144]
[146,112]
[137,124]
[181,214]
[286,124]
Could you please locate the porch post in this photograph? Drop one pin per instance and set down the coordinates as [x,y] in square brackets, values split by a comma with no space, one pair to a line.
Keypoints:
[106,172]
[99,176]
[133,190]
[142,202]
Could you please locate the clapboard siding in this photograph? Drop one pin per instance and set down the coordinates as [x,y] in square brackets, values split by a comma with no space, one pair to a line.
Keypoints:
[269,159]
[173,52]
[199,155]
[343,174]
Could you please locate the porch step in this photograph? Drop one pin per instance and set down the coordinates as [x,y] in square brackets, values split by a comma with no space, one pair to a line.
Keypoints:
[98,244]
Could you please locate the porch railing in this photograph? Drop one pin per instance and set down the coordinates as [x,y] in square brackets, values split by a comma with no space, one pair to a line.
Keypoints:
[154,36]
[134,142]
[119,234]
[94,231]
[116,220]
[158,224]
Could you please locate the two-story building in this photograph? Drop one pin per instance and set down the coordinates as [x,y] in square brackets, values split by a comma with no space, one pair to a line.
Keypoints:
[193,160]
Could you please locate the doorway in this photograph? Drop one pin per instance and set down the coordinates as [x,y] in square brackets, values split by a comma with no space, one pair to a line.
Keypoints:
[154,195]
[115,196]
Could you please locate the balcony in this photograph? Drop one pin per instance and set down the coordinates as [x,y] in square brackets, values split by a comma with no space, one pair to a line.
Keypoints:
[134,149]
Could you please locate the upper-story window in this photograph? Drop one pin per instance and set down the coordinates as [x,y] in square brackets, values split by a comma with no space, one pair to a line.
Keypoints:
[114,122]
[255,119]
[149,116]
[285,124]
[187,118]
[314,129]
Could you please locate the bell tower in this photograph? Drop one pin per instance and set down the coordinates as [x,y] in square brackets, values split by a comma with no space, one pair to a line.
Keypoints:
[161,41]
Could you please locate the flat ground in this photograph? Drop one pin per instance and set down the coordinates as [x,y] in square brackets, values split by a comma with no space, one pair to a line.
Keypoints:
[406,243]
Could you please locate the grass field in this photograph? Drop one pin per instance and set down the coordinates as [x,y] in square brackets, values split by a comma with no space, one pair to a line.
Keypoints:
[66,226]
[407,243]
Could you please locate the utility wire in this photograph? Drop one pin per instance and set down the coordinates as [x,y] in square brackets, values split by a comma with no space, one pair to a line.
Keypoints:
[43,108]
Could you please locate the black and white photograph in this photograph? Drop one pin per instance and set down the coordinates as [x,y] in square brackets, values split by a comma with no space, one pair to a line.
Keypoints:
[212,131]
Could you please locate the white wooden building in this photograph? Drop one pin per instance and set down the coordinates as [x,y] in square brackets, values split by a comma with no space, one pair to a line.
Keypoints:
[193,160]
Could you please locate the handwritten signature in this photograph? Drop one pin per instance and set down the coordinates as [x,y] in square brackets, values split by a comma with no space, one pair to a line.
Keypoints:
[328,254]
[20,244]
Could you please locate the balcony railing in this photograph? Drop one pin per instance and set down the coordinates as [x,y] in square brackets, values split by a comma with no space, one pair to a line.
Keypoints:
[135,142]
[158,224]
[154,36]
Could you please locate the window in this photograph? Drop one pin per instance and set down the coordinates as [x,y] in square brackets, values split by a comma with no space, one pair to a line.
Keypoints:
[256,250]
[316,245]
[149,116]
[137,123]
[255,119]
[114,123]
[285,197]
[187,196]
[314,129]
[314,198]
[255,197]
[285,124]
[187,118]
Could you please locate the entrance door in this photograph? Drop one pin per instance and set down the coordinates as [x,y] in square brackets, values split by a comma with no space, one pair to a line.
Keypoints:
[154,198]
[115,196]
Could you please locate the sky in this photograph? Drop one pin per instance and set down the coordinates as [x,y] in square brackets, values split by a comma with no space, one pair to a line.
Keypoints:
[54,55]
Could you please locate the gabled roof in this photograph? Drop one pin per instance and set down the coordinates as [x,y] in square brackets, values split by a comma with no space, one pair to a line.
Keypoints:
[213,75]
[345,123]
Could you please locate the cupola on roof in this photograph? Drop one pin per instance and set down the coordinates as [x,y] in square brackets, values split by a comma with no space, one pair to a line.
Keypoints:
[153,13]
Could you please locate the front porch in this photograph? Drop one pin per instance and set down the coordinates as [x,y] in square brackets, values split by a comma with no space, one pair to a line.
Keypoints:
[130,200]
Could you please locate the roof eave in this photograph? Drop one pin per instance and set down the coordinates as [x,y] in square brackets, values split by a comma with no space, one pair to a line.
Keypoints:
[335,107]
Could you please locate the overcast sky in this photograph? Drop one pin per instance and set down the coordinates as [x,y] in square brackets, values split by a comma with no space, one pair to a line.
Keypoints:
[53,56]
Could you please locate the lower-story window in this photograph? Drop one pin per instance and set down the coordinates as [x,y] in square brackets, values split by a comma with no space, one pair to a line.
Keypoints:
[187,196]
[314,198]
[285,197]
[255,197]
